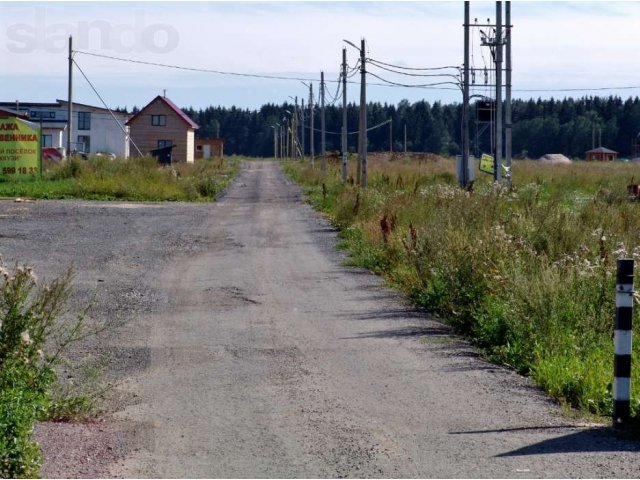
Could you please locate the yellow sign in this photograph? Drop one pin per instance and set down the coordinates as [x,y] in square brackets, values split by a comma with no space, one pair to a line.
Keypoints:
[20,148]
[486,163]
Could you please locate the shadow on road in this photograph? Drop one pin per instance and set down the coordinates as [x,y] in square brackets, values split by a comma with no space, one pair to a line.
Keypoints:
[599,439]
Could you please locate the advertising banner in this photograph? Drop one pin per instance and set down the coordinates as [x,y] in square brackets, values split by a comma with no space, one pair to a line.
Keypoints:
[20,151]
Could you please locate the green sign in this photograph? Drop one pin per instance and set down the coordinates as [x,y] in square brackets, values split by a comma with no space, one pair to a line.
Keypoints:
[20,148]
[487,165]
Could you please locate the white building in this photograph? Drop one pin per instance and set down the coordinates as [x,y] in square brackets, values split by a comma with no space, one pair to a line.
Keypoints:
[94,129]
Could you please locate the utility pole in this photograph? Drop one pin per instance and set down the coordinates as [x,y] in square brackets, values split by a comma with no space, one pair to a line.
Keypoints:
[70,98]
[281,131]
[497,172]
[465,101]
[302,125]
[311,140]
[286,137]
[323,152]
[405,138]
[275,142]
[362,152]
[345,148]
[391,135]
[507,104]
[295,129]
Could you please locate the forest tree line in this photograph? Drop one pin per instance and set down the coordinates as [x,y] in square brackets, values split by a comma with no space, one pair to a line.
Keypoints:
[568,126]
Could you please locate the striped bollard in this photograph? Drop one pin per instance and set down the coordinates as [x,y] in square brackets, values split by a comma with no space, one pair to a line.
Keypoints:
[622,343]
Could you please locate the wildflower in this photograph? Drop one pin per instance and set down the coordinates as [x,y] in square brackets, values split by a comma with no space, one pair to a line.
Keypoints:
[620,250]
[25,338]
[32,275]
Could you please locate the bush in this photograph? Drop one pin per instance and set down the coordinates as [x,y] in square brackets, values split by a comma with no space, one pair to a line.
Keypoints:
[32,339]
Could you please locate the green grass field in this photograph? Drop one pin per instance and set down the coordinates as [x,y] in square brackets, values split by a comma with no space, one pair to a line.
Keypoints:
[141,179]
[527,274]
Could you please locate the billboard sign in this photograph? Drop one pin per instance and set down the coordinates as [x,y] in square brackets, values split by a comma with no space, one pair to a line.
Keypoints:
[20,151]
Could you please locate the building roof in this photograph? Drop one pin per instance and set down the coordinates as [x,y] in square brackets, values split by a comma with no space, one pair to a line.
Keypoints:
[601,150]
[12,105]
[183,116]
[7,112]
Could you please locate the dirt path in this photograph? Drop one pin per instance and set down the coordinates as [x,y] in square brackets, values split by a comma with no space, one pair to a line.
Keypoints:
[262,356]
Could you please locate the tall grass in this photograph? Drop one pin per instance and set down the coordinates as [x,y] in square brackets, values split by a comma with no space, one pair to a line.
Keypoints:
[527,274]
[130,179]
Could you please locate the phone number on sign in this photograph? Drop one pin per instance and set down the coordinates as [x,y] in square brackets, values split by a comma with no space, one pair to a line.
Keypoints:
[21,170]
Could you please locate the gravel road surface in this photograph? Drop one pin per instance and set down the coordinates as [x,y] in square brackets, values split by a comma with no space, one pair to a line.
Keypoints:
[250,351]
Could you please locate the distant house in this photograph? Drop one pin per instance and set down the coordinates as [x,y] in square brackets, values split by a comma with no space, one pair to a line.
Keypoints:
[162,124]
[209,147]
[94,129]
[601,154]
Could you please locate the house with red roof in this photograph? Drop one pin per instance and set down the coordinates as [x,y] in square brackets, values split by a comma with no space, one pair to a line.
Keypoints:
[162,124]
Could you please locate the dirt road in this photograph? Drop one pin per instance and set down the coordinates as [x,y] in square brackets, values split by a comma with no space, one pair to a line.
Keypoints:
[250,351]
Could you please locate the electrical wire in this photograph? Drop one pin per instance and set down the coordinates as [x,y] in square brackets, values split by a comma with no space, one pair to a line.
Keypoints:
[106,106]
[425,85]
[193,69]
[372,62]
[355,132]
[411,68]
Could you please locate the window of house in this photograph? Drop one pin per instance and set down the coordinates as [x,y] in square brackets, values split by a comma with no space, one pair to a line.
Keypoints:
[198,147]
[84,120]
[47,141]
[84,143]
[158,120]
[165,143]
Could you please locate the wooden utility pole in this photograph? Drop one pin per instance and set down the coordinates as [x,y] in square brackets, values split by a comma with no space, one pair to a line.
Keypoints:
[70,98]
[345,148]
[391,136]
[362,151]
[323,152]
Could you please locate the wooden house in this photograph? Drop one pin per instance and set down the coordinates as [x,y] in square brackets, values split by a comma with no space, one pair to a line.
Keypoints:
[601,154]
[162,124]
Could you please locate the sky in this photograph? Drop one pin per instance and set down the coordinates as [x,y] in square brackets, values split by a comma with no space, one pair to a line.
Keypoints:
[556,46]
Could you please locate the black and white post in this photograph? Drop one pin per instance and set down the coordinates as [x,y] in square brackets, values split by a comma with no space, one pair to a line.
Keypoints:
[622,343]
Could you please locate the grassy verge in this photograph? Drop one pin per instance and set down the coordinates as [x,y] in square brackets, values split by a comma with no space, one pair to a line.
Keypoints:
[140,179]
[528,275]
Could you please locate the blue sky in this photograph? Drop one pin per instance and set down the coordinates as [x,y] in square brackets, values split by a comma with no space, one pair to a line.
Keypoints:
[556,45]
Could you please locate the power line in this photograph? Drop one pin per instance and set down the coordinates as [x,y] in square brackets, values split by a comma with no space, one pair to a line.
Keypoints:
[411,68]
[201,70]
[593,89]
[106,106]
[373,62]
[425,85]
[388,83]
[354,132]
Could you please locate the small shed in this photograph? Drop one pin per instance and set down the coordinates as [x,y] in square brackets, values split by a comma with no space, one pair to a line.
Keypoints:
[209,147]
[601,154]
